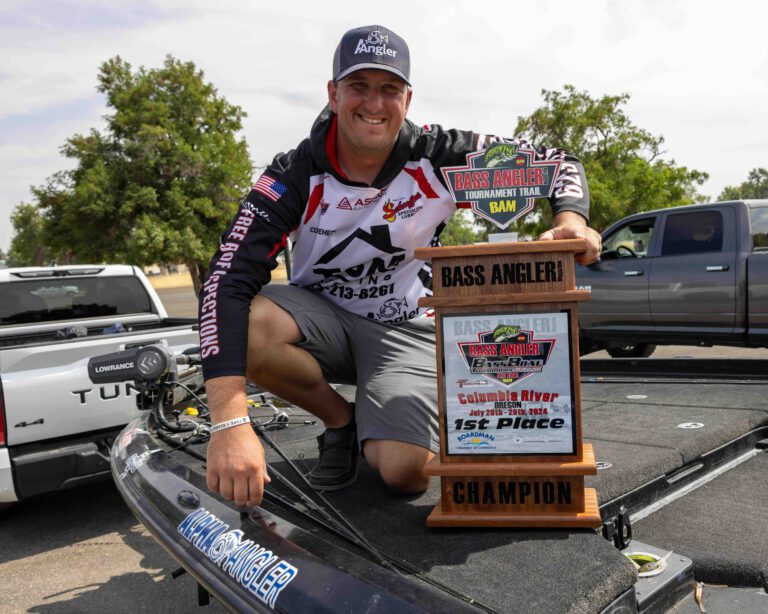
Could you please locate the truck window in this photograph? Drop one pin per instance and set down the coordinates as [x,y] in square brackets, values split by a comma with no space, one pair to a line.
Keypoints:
[759,222]
[692,233]
[68,298]
[630,240]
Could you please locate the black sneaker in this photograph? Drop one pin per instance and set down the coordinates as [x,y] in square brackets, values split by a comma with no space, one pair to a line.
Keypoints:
[337,466]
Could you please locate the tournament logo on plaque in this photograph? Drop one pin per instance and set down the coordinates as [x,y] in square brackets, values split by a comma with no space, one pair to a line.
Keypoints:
[506,354]
[502,182]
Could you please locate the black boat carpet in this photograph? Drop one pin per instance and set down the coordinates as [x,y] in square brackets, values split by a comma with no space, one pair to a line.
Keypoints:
[722,526]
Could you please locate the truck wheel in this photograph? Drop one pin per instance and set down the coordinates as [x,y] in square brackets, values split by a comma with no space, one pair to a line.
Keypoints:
[587,346]
[632,350]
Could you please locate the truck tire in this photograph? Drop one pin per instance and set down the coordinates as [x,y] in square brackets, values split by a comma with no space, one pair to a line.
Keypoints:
[632,350]
[587,346]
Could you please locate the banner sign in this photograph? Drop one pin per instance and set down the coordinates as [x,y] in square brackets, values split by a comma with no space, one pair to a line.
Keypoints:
[508,387]
[501,182]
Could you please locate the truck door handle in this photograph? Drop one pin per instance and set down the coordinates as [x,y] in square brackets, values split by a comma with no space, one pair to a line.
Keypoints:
[632,273]
[712,269]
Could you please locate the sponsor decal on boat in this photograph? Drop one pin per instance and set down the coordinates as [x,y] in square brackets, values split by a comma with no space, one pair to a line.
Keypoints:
[135,461]
[257,569]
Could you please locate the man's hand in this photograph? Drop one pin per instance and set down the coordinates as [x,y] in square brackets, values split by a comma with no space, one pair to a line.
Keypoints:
[236,465]
[570,225]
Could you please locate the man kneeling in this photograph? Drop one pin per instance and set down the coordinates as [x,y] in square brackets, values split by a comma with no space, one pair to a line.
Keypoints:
[356,198]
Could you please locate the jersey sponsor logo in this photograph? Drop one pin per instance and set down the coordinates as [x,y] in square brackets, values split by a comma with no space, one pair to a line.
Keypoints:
[392,307]
[209,328]
[394,310]
[506,354]
[405,208]
[326,232]
[255,210]
[379,238]
[376,43]
[361,203]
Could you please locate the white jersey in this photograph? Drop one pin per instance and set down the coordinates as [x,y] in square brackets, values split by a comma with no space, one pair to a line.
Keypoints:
[357,245]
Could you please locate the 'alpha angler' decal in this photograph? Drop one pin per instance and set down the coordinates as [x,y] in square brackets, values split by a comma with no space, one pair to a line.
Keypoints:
[253,566]
[506,354]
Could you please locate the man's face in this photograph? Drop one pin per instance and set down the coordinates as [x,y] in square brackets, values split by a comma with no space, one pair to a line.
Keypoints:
[371,105]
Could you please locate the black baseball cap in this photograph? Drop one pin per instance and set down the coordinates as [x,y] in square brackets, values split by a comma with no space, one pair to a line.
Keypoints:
[372,47]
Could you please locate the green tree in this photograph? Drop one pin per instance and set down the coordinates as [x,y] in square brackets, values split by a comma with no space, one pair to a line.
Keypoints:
[622,162]
[160,183]
[459,230]
[28,244]
[756,186]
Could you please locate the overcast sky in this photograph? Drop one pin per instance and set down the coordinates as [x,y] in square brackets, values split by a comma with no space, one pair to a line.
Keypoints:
[697,71]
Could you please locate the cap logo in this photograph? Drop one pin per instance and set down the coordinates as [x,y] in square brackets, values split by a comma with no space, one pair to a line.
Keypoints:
[376,43]
[377,38]
[371,47]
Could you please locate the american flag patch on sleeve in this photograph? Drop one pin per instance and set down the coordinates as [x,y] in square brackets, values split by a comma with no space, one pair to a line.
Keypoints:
[270,187]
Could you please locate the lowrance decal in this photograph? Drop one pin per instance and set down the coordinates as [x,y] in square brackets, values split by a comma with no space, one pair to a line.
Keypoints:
[118,367]
[255,568]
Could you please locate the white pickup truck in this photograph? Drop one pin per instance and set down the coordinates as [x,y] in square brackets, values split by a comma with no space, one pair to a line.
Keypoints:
[56,427]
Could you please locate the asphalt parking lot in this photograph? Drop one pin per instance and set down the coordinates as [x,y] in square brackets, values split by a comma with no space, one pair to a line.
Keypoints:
[82,550]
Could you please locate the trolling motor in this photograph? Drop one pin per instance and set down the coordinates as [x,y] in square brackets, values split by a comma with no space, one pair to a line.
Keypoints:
[144,365]
[155,372]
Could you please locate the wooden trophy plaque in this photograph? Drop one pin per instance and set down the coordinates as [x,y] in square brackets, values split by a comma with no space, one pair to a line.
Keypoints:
[511,450]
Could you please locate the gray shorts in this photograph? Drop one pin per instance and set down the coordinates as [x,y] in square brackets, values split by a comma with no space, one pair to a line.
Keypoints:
[392,365]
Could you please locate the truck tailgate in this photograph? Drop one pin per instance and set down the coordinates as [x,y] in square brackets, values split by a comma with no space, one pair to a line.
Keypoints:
[47,392]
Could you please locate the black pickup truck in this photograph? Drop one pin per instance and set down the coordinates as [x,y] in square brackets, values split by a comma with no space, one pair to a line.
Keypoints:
[695,275]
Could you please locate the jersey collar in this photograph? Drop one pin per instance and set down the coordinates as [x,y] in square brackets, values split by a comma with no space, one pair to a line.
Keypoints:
[323,147]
